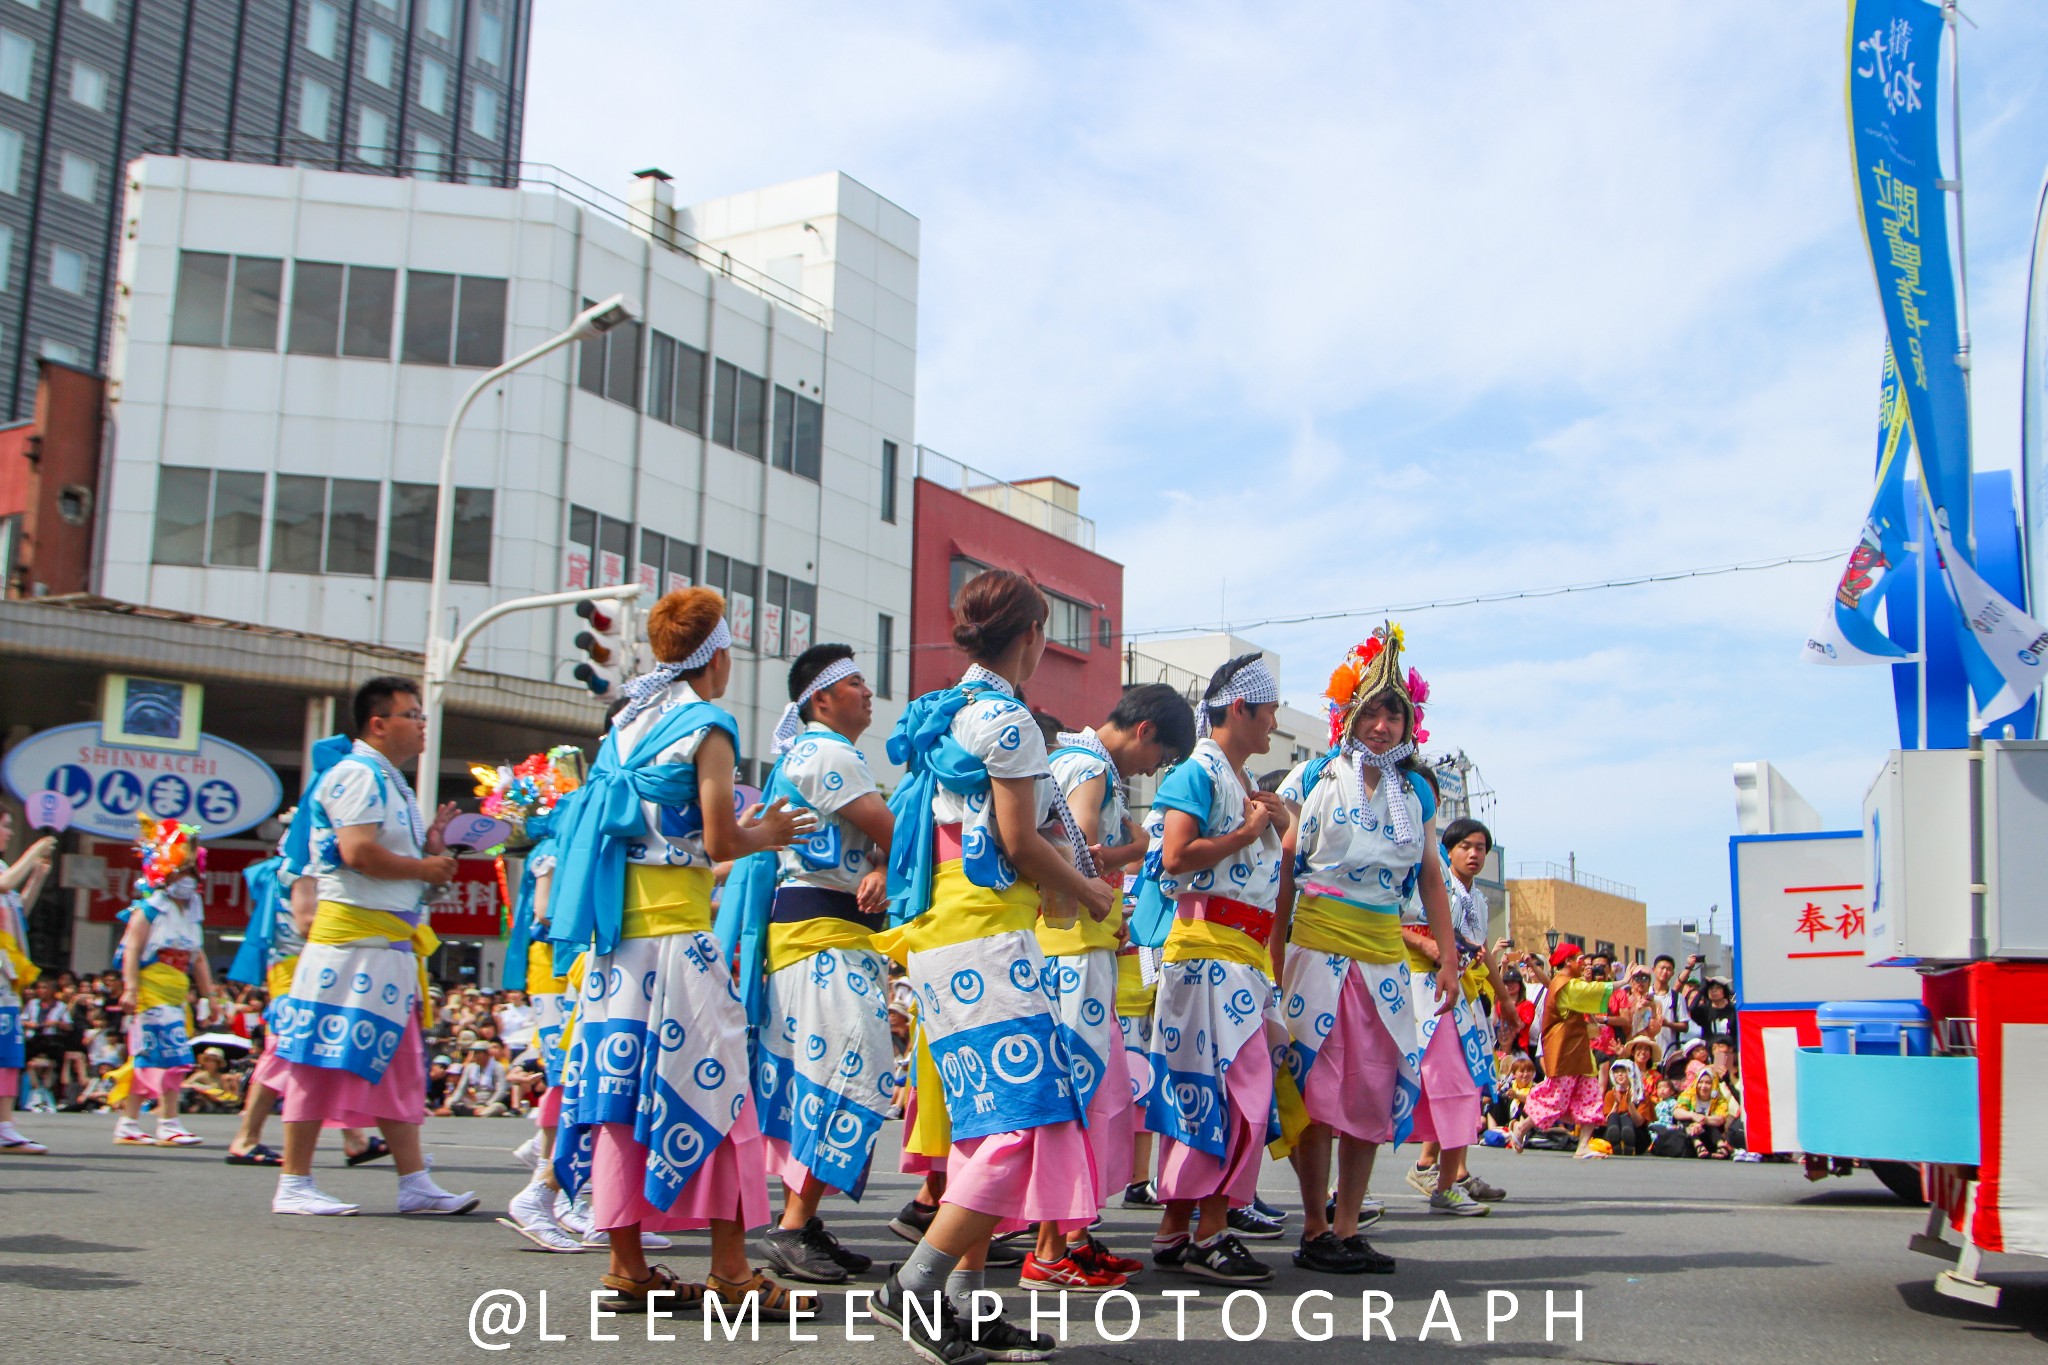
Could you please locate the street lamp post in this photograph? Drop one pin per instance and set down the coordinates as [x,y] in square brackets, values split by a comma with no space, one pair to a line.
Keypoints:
[442,654]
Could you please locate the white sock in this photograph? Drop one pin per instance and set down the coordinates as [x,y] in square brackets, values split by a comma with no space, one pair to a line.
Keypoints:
[420,1182]
[9,1131]
[294,1184]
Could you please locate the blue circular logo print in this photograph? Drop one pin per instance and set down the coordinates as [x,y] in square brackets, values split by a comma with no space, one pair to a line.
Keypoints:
[170,796]
[966,986]
[120,793]
[710,1074]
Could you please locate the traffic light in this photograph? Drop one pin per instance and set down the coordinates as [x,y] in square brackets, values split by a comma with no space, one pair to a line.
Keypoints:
[603,642]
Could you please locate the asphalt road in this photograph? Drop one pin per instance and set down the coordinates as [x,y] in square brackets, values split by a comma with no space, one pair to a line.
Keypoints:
[142,1255]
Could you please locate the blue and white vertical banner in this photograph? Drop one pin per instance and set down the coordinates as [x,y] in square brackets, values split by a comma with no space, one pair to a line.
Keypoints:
[2013,642]
[1894,140]
[1849,634]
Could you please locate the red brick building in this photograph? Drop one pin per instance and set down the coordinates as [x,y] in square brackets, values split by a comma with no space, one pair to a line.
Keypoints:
[966,522]
[49,481]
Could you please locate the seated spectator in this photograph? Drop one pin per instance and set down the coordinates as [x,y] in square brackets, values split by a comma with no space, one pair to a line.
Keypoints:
[1706,1109]
[481,1086]
[1642,1053]
[525,1079]
[211,1088]
[1683,1063]
[1630,1110]
[1667,1134]
[439,1085]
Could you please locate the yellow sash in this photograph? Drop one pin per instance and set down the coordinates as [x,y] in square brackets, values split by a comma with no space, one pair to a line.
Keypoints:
[336,923]
[960,913]
[1474,978]
[792,943]
[278,980]
[540,970]
[1190,939]
[25,971]
[1364,933]
[572,986]
[932,1134]
[666,900]
[1084,935]
[1133,996]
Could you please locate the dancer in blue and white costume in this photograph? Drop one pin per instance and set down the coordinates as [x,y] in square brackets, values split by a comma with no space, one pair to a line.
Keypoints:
[657,1113]
[19,885]
[815,985]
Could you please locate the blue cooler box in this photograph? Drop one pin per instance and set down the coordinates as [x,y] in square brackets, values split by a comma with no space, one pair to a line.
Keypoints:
[1902,1028]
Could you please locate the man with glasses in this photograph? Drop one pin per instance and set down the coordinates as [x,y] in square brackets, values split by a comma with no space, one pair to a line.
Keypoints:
[351,1026]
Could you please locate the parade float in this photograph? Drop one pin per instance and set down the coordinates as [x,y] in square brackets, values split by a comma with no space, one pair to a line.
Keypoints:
[1893,978]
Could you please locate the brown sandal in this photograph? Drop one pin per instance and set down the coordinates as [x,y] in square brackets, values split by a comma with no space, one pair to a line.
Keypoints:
[630,1296]
[775,1299]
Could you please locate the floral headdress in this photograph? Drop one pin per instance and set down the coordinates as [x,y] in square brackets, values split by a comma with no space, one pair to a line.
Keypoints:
[1372,670]
[168,851]
[529,788]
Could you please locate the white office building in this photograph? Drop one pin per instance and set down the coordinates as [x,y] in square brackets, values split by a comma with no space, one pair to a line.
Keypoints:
[290,344]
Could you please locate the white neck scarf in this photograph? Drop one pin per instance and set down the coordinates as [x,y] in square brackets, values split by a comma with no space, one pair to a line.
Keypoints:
[1400,825]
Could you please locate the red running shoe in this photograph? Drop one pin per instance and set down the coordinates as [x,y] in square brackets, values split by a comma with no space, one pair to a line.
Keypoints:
[1068,1274]
[1093,1255]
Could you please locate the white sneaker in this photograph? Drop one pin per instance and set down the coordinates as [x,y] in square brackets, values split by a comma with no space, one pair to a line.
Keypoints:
[528,1153]
[171,1133]
[417,1193]
[573,1216]
[128,1133]
[1422,1179]
[546,1236]
[13,1142]
[649,1241]
[298,1194]
[1456,1202]
[535,1203]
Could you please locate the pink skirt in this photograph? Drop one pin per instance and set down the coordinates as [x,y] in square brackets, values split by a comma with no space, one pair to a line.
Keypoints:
[1112,1122]
[10,1083]
[1566,1099]
[916,1163]
[342,1099]
[548,1113]
[154,1082]
[1187,1173]
[271,1069]
[1351,1087]
[731,1185]
[1039,1175]
[1449,1110]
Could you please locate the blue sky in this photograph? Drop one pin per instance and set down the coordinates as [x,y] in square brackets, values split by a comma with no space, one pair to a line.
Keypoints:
[1327,306]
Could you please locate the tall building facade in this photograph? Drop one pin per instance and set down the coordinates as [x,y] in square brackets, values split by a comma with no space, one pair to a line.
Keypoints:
[291,343]
[434,88]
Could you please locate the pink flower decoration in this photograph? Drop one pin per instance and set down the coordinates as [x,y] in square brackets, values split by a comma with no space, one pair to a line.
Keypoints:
[1421,737]
[1418,688]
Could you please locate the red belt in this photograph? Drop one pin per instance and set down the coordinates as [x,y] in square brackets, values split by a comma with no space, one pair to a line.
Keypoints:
[1253,921]
[179,958]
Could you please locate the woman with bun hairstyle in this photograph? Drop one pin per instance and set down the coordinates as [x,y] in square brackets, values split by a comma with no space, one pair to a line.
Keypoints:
[969,863]
[657,1110]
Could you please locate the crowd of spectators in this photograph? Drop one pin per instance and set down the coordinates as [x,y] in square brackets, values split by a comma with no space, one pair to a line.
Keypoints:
[1666,1050]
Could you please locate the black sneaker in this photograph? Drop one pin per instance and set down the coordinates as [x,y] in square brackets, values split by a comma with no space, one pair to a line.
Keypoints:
[792,1252]
[1225,1259]
[949,1346]
[1370,1212]
[1325,1255]
[1004,1340]
[912,1219]
[1138,1195]
[818,1238]
[1375,1262]
[1278,1215]
[1171,1255]
[1004,1252]
[1248,1222]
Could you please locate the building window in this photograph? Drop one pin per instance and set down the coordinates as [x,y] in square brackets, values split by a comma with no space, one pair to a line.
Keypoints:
[490,39]
[429,157]
[609,363]
[1070,623]
[341,310]
[89,86]
[739,410]
[441,19]
[373,136]
[889,458]
[885,657]
[1104,634]
[665,565]
[433,87]
[316,110]
[453,319]
[62,351]
[67,269]
[1603,947]
[106,10]
[802,616]
[10,161]
[596,556]
[483,112]
[737,581]
[17,63]
[378,55]
[963,572]
[6,257]
[206,516]
[323,25]
[799,434]
[227,301]
[675,382]
[480,172]
[788,607]
[78,176]
[411,550]
[323,525]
